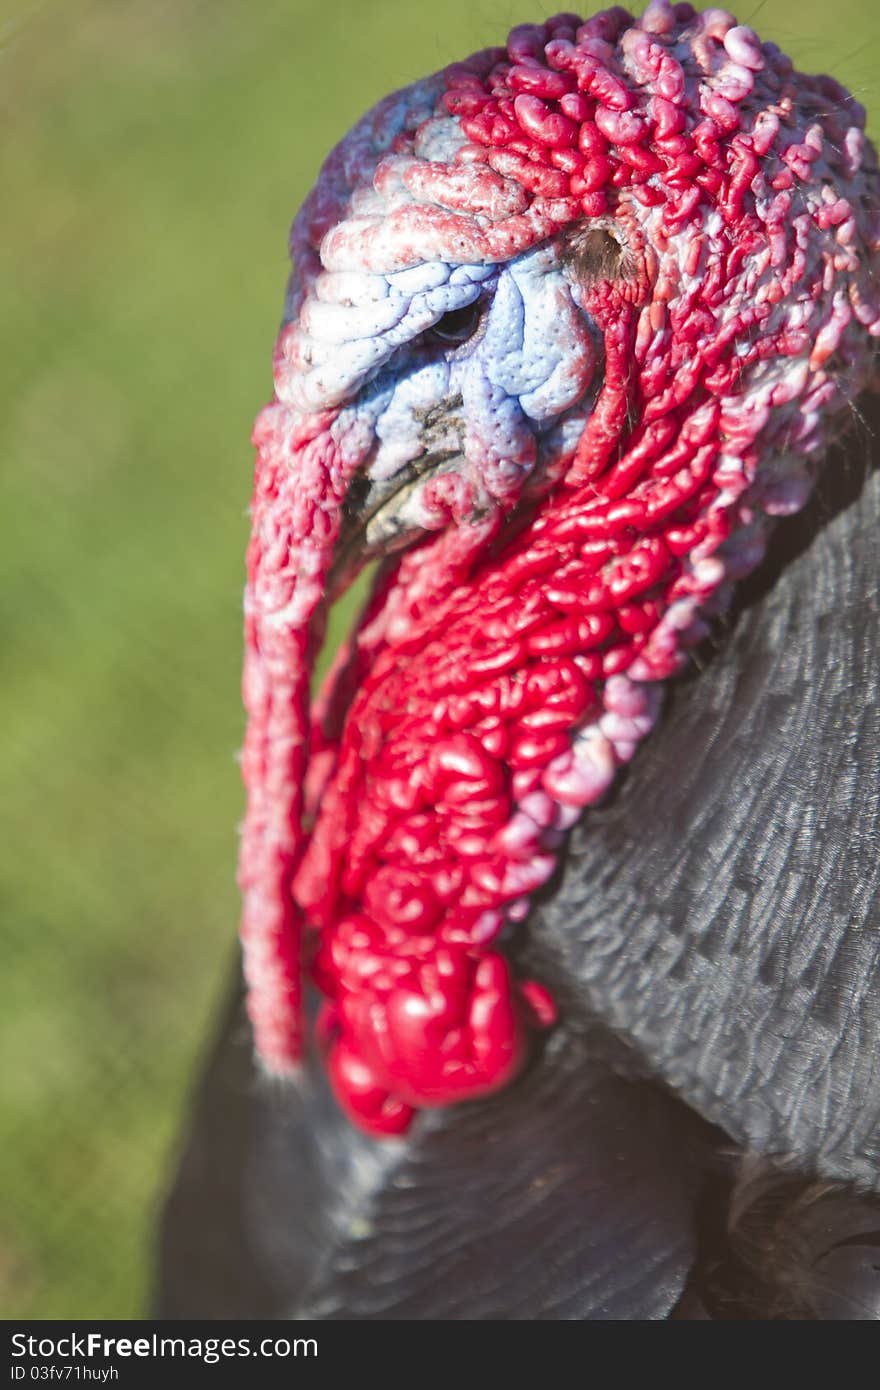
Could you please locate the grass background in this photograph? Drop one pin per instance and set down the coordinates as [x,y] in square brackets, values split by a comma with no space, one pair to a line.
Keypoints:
[152,155]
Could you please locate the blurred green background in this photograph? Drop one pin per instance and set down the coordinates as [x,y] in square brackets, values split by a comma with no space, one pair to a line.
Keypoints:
[153,152]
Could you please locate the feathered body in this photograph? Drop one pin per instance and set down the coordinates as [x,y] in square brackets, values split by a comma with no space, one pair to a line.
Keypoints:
[569,325]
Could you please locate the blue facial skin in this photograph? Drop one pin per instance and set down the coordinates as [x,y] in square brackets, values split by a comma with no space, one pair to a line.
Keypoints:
[499,396]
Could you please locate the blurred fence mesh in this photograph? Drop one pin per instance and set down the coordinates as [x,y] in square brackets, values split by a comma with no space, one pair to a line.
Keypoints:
[152,155]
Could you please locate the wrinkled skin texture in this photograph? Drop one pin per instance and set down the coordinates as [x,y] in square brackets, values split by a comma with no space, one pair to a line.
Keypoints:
[568,323]
[671,246]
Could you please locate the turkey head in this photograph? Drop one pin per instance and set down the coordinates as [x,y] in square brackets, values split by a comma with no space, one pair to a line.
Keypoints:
[570,324]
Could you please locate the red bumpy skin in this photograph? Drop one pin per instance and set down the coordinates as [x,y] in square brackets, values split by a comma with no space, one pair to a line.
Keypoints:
[580,315]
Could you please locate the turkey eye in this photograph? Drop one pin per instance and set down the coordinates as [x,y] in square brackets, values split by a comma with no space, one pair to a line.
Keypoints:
[458,325]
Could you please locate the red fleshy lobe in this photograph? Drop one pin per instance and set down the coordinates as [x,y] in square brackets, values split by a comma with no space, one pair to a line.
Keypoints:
[493,688]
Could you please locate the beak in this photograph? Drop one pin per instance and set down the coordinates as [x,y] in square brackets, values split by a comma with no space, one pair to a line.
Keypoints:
[381,516]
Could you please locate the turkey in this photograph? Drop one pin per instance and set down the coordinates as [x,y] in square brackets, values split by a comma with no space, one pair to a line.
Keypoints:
[571,325]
